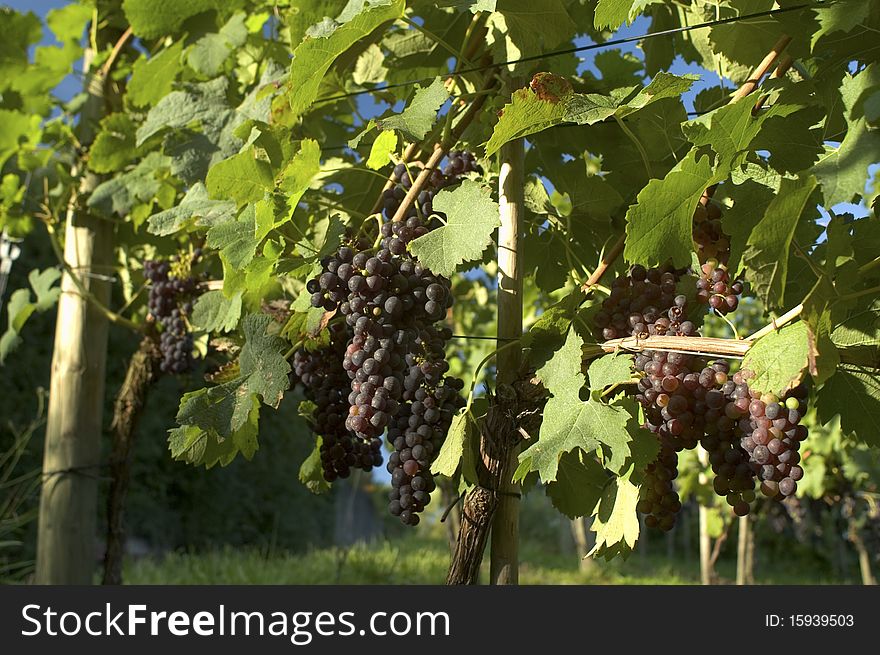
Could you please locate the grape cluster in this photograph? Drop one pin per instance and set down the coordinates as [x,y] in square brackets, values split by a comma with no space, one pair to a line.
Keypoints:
[394,358]
[170,301]
[416,435]
[458,163]
[659,500]
[772,437]
[714,286]
[321,374]
[641,304]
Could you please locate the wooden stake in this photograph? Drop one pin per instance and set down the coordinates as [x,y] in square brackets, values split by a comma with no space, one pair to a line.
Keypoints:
[504,567]
[68,503]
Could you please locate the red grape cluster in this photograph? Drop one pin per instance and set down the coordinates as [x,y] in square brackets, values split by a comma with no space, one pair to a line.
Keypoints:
[394,358]
[688,400]
[170,301]
[324,380]
[714,286]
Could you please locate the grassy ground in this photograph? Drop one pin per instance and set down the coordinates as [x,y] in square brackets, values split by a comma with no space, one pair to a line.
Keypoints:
[424,561]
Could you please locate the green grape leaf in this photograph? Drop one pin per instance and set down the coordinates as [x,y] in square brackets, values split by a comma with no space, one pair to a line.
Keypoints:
[523,26]
[615,521]
[471,217]
[579,484]
[114,145]
[243,178]
[564,366]
[121,193]
[152,79]
[314,56]
[382,149]
[611,14]
[571,423]
[418,118]
[311,471]
[151,19]
[220,410]
[459,440]
[823,354]
[843,170]
[730,130]
[195,208]
[67,23]
[235,239]
[203,104]
[473,6]
[766,257]
[197,445]
[370,68]
[548,333]
[839,17]
[750,202]
[779,359]
[262,362]
[613,368]
[214,312]
[853,394]
[659,226]
[297,176]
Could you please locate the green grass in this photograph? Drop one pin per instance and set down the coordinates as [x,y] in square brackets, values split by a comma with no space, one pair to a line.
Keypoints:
[415,560]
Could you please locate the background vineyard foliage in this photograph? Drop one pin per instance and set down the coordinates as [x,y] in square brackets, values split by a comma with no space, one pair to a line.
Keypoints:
[216,137]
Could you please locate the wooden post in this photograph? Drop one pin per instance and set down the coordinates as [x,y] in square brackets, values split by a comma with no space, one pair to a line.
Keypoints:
[504,567]
[68,502]
[743,551]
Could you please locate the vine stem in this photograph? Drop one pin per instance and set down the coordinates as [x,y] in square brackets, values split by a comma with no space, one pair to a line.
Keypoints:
[440,150]
[777,323]
[750,85]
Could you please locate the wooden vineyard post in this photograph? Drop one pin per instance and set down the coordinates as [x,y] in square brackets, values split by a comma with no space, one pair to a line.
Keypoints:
[68,502]
[504,567]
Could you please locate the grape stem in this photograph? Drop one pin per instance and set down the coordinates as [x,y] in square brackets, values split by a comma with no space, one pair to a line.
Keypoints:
[777,323]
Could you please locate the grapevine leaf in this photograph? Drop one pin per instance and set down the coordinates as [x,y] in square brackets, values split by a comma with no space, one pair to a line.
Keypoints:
[18,311]
[311,472]
[196,206]
[823,354]
[370,67]
[548,333]
[199,446]
[730,130]
[458,440]
[474,6]
[615,521]
[262,363]
[150,19]
[203,104]
[120,193]
[768,246]
[750,202]
[417,119]
[314,56]
[663,85]
[471,217]
[512,29]
[564,366]
[214,312]
[779,359]
[235,239]
[297,177]
[242,178]
[571,423]
[209,53]
[114,145]
[659,226]
[43,284]
[579,485]
[529,112]
[152,79]
[67,23]
[854,394]
[609,370]
[839,17]
[382,149]
[843,170]
[611,14]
